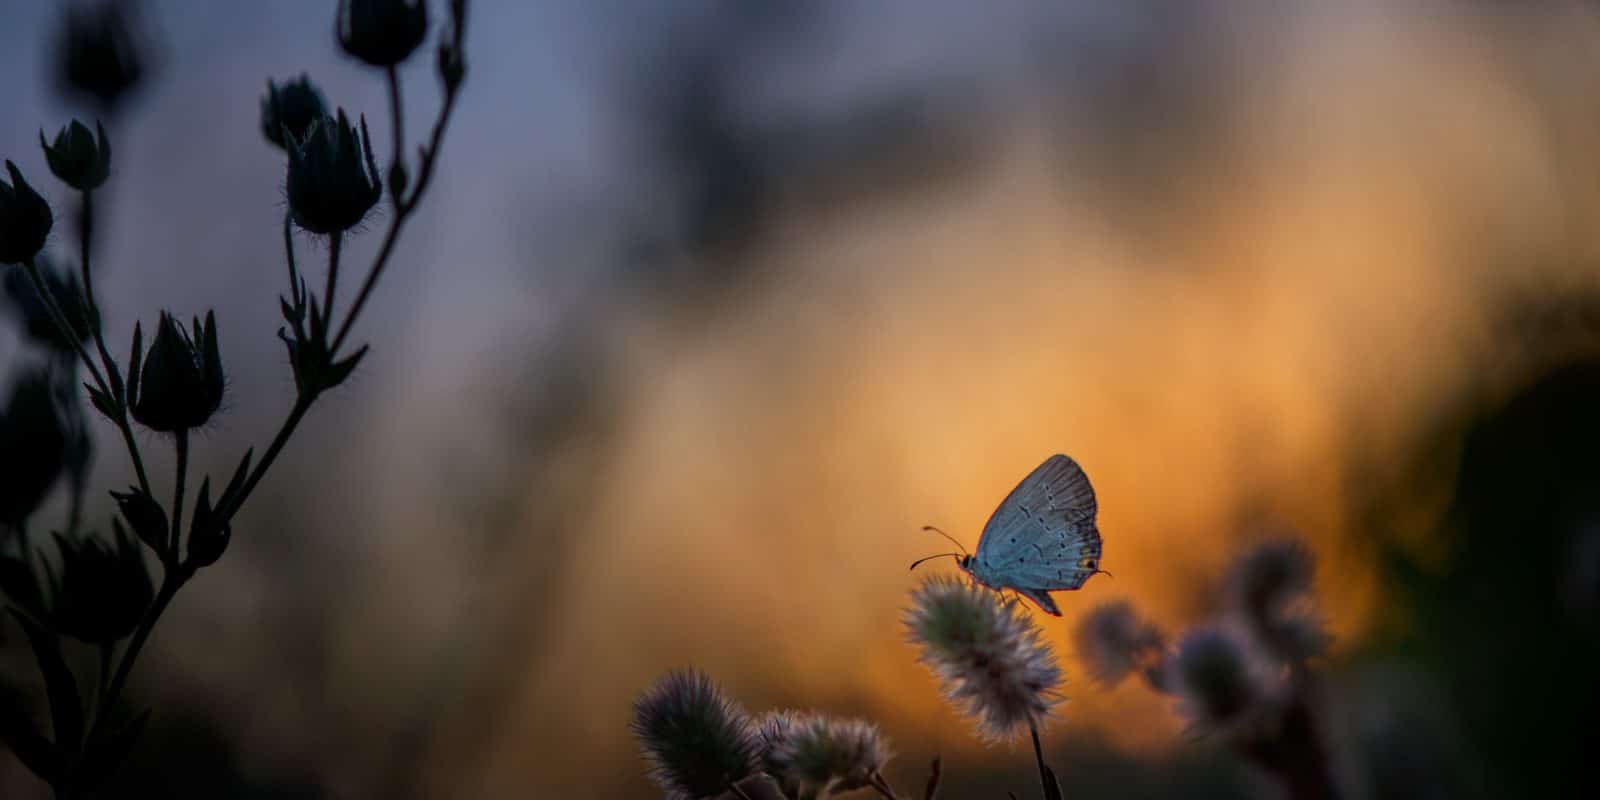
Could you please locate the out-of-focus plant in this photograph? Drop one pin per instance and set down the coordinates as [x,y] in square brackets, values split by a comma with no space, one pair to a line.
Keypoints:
[99,591]
[702,744]
[1246,677]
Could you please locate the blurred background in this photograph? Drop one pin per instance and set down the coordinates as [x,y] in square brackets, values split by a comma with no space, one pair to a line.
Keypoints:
[713,305]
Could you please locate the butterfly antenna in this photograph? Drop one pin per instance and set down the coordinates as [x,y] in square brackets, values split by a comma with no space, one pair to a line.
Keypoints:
[947,536]
[940,555]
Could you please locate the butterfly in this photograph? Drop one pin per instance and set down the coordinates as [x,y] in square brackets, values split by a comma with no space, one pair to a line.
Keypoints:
[1041,539]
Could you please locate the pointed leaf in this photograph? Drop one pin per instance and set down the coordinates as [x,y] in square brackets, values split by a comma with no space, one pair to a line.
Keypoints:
[133,364]
[102,403]
[30,747]
[236,483]
[208,345]
[109,750]
[66,708]
[340,370]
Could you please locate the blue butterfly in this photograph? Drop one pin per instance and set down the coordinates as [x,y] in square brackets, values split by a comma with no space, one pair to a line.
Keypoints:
[1041,539]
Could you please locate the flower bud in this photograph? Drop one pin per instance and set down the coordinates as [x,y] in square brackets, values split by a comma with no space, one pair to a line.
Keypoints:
[289,111]
[77,158]
[37,323]
[180,386]
[99,52]
[104,589]
[25,219]
[210,533]
[333,179]
[33,447]
[381,32]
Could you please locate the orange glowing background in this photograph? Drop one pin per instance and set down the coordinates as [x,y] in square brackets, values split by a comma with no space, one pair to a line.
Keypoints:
[1251,320]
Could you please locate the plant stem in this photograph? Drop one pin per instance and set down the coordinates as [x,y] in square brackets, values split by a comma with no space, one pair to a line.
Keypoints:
[402,212]
[174,580]
[181,444]
[734,789]
[877,781]
[65,329]
[932,789]
[335,241]
[60,319]
[1047,779]
[288,252]
[302,403]
[397,122]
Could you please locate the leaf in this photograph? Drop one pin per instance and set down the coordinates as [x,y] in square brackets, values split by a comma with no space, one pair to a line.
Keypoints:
[133,363]
[31,748]
[1052,787]
[339,370]
[102,403]
[66,708]
[236,483]
[108,751]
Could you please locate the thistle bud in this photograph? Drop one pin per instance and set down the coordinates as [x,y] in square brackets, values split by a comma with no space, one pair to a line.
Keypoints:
[33,447]
[104,588]
[181,384]
[32,312]
[25,219]
[77,158]
[333,178]
[99,51]
[381,32]
[289,111]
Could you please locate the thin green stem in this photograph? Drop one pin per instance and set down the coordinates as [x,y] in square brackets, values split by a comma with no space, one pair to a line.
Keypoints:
[181,444]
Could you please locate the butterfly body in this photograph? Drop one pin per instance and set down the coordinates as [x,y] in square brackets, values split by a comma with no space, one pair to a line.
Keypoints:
[1042,538]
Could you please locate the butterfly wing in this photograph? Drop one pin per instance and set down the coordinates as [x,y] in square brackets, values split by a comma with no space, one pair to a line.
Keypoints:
[1043,535]
[1042,599]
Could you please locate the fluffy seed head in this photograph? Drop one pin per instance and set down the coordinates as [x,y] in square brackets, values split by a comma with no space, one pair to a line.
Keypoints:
[816,753]
[1262,588]
[987,652]
[1211,673]
[1113,642]
[696,739]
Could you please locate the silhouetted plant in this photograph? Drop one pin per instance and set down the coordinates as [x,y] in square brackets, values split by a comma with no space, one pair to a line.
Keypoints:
[99,590]
[701,744]
[1244,678]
